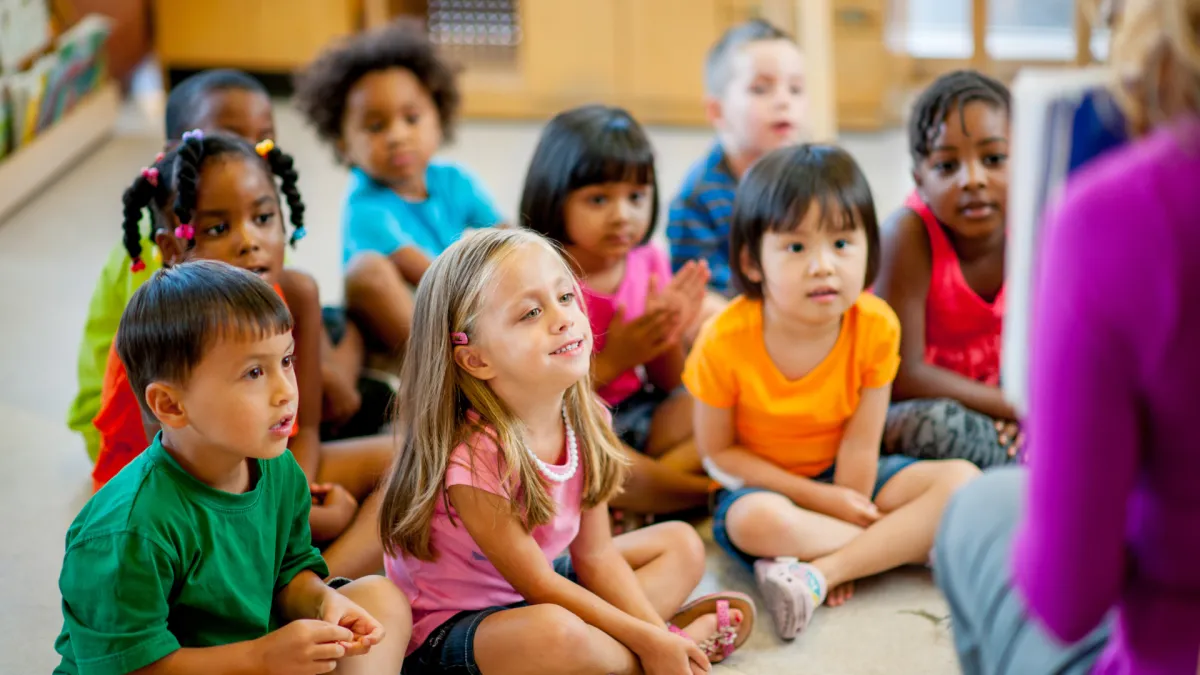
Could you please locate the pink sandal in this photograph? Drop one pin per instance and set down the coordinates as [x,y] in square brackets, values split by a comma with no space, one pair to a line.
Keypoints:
[729,637]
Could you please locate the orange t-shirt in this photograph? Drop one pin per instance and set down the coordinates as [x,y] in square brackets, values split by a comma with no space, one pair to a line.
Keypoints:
[795,424]
[122,435]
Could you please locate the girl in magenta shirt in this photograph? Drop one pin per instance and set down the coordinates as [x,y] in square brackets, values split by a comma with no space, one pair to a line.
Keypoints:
[591,188]
[495,518]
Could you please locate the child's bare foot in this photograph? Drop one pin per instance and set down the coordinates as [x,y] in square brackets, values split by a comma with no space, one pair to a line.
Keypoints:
[705,631]
[838,596]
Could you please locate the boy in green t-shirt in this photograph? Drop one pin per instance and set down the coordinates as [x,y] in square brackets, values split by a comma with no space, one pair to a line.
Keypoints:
[198,557]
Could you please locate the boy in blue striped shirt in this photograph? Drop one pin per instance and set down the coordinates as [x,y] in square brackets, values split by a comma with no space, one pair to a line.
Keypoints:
[754,84]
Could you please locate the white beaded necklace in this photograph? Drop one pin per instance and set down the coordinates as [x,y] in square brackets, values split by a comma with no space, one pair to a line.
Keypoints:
[553,472]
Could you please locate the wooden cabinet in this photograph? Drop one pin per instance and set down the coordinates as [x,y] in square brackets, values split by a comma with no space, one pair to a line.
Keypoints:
[263,36]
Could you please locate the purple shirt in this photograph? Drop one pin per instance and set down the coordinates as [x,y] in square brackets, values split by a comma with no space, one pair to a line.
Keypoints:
[1113,508]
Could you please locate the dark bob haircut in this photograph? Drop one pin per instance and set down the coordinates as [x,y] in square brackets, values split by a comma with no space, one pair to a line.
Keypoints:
[777,191]
[183,310]
[580,147]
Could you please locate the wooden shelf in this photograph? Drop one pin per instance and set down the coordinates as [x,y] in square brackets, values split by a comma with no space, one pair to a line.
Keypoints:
[24,172]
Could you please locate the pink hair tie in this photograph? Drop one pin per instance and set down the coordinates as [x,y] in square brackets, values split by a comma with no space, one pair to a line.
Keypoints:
[151,175]
[459,339]
[185,231]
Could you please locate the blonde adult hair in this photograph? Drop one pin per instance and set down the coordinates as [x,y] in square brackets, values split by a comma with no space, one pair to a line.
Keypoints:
[1155,56]
[436,395]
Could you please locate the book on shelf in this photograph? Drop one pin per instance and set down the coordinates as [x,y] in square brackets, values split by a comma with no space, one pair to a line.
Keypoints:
[1062,119]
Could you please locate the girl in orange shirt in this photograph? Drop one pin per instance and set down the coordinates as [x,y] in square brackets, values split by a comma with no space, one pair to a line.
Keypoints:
[792,383]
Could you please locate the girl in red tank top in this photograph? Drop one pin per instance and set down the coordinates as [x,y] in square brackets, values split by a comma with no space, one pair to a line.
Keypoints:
[943,273]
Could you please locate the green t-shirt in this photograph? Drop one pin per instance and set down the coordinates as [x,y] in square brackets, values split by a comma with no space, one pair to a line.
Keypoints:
[156,560]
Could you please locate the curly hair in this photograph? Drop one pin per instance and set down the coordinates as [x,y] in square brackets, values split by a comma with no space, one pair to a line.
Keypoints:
[172,182]
[322,88]
[952,91]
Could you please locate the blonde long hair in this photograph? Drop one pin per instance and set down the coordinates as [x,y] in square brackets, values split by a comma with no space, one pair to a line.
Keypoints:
[436,395]
[1148,35]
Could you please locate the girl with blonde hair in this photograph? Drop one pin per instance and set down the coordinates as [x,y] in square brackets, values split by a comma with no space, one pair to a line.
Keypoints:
[495,517]
[1088,561]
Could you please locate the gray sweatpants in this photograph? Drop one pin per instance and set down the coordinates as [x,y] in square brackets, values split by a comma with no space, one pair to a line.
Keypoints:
[943,429]
[993,633]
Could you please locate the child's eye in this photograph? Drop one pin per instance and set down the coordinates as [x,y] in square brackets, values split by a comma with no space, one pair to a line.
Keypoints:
[567,298]
[412,119]
[264,218]
[376,127]
[217,230]
[995,160]
[797,90]
[598,200]
[289,361]
[841,244]
[795,247]
[946,167]
[254,373]
[759,89]
[532,314]
[638,197]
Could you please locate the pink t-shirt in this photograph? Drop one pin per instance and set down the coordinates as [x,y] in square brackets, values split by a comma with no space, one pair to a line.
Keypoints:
[461,578]
[641,263]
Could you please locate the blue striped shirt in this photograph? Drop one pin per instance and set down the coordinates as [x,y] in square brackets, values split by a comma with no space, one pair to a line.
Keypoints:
[698,224]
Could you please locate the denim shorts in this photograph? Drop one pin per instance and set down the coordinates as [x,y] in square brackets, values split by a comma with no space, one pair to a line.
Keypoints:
[889,466]
[633,416]
[450,648]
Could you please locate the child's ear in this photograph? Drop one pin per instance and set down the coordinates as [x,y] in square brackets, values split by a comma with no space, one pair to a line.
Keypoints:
[165,404]
[472,361]
[751,270]
[171,248]
[713,111]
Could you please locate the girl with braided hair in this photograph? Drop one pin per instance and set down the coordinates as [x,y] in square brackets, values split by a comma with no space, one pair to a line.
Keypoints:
[215,197]
[942,271]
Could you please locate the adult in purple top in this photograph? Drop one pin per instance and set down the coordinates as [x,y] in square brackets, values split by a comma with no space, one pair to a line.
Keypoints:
[1089,560]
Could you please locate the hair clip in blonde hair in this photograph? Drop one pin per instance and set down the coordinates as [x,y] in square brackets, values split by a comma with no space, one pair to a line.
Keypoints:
[459,339]
[264,147]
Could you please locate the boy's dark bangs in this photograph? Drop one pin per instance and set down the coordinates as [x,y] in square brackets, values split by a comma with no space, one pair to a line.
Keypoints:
[843,200]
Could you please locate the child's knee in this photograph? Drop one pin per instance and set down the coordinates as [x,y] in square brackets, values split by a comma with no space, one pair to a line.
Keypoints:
[954,473]
[682,538]
[758,517]
[559,630]
[380,598]
[369,274]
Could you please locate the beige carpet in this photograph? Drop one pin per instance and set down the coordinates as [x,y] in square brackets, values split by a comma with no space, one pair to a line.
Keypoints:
[51,251]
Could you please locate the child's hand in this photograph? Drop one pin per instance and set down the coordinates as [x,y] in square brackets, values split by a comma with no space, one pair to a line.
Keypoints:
[1010,436]
[304,647]
[670,654]
[332,510]
[631,343]
[848,506]
[684,295]
[339,610]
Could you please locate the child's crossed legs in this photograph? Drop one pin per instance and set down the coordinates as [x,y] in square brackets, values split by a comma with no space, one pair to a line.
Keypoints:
[668,561]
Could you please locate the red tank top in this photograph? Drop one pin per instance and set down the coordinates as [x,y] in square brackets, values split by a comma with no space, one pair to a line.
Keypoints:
[962,330]
[122,436]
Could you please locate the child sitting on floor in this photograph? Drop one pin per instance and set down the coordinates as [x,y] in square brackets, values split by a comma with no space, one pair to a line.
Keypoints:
[214,99]
[387,101]
[792,383]
[943,272]
[214,197]
[496,518]
[198,557]
[754,98]
[591,188]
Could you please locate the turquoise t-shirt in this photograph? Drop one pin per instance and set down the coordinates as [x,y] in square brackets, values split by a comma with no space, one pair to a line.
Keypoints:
[157,560]
[376,219]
